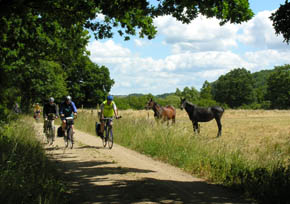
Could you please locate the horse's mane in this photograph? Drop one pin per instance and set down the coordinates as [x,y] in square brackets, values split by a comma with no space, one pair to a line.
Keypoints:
[190,104]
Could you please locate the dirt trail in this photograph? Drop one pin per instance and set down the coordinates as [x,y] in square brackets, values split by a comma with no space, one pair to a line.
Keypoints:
[99,175]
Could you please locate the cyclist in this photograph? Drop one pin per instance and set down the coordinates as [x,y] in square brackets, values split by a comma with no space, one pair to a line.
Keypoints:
[108,110]
[67,109]
[36,110]
[48,108]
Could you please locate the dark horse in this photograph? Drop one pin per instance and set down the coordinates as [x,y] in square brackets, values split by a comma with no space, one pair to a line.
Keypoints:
[199,114]
[165,113]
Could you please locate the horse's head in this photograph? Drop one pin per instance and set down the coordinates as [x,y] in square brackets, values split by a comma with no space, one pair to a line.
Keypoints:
[182,103]
[150,104]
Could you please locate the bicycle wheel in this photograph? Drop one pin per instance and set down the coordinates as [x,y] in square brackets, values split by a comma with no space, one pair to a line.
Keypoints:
[65,138]
[70,138]
[110,137]
[52,135]
[104,139]
[49,135]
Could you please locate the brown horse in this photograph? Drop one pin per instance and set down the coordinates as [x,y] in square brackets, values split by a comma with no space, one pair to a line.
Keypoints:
[165,113]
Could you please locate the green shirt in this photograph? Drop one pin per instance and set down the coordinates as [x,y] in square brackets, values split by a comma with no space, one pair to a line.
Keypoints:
[108,110]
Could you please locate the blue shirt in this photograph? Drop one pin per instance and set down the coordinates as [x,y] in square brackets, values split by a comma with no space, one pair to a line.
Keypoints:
[67,109]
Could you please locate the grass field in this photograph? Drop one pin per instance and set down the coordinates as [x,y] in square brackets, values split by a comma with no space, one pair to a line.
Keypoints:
[252,155]
[27,175]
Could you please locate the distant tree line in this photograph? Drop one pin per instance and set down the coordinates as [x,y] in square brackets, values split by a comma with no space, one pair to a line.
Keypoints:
[266,89]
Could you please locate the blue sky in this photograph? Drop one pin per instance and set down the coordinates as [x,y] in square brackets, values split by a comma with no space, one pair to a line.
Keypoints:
[187,55]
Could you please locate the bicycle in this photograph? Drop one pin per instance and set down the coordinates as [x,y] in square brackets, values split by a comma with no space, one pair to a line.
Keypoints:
[36,116]
[50,129]
[68,137]
[108,138]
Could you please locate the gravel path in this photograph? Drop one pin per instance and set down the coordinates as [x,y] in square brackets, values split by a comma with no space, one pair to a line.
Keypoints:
[99,175]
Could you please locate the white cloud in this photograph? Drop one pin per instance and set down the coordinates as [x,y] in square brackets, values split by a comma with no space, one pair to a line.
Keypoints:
[201,51]
[267,59]
[260,33]
[107,49]
[139,43]
[202,34]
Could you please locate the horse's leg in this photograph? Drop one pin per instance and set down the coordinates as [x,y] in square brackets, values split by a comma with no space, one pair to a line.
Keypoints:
[173,120]
[198,127]
[218,121]
[195,126]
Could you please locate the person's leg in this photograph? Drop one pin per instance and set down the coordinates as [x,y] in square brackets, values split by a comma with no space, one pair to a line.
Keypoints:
[63,125]
[102,128]
[45,125]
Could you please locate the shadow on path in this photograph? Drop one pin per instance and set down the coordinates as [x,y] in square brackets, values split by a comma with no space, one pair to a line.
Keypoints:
[90,183]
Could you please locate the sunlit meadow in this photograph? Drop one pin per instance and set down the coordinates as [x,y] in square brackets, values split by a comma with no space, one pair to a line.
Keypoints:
[253,151]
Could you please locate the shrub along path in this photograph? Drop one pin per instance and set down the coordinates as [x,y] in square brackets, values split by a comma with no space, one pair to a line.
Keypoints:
[99,175]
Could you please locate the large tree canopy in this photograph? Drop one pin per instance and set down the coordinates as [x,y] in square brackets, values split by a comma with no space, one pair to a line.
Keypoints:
[235,88]
[44,42]
[281,21]
[129,14]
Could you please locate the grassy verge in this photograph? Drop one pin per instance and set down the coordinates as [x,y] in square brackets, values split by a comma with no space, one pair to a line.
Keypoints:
[26,176]
[251,156]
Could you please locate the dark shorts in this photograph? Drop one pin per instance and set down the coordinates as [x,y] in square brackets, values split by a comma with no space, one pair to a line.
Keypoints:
[63,119]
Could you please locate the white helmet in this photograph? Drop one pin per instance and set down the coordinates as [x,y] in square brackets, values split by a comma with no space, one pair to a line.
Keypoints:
[68,98]
[51,99]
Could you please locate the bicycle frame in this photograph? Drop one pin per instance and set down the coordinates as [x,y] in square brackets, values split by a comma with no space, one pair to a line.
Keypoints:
[50,133]
[109,136]
[69,136]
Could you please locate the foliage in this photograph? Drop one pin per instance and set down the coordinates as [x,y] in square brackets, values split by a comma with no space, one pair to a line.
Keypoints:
[138,102]
[278,91]
[129,15]
[281,21]
[132,102]
[235,88]
[205,91]
[88,83]
[191,94]
[42,39]
[261,85]
[26,176]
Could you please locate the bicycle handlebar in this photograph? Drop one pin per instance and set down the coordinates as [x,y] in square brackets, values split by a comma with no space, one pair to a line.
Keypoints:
[111,118]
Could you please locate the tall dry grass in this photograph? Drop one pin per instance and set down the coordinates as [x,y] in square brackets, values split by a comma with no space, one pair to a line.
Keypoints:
[253,153]
[26,174]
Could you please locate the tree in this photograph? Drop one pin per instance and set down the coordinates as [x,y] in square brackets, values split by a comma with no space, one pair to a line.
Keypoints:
[55,31]
[191,94]
[235,88]
[261,84]
[278,91]
[88,83]
[281,21]
[128,14]
[205,91]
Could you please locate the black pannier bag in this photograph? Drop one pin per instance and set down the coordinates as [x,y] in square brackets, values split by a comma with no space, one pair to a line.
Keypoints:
[60,132]
[98,129]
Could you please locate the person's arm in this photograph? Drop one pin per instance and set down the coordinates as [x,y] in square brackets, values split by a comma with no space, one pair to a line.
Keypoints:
[56,111]
[115,110]
[74,107]
[61,110]
[43,111]
[102,111]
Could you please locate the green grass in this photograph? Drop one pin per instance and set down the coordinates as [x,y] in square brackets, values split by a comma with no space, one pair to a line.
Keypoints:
[252,155]
[27,176]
